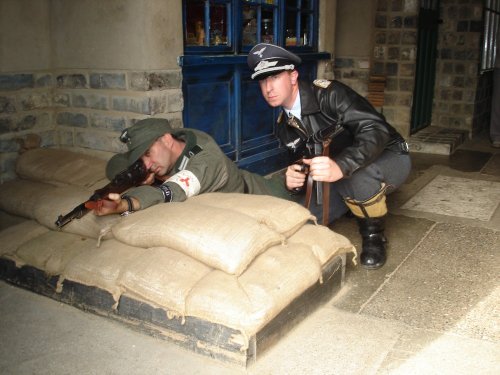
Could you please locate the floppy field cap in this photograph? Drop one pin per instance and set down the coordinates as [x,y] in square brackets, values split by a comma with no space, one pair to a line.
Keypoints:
[140,136]
[266,59]
[118,163]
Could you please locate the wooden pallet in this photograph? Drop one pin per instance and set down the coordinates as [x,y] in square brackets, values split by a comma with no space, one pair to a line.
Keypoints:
[192,333]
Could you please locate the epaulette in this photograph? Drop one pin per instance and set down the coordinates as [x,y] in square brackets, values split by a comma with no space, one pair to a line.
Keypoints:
[323,83]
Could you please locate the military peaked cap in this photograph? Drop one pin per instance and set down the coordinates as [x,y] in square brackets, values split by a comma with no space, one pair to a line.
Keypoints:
[266,59]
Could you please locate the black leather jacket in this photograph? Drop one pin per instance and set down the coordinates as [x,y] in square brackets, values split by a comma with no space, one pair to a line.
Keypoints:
[363,133]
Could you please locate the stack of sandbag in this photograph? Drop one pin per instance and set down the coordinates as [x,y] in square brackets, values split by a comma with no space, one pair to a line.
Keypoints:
[231,259]
[52,182]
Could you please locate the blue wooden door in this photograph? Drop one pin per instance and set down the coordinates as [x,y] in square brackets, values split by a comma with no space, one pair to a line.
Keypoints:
[219,96]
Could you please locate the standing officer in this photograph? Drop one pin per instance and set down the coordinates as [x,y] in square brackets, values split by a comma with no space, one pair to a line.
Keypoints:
[367,160]
[182,163]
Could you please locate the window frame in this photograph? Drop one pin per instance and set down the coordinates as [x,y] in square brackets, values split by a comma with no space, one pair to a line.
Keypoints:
[490,35]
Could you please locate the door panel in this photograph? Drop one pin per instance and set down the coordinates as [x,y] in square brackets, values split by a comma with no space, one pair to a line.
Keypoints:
[423,95]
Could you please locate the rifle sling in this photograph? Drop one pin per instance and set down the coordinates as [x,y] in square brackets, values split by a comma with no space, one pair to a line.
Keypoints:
[326,189]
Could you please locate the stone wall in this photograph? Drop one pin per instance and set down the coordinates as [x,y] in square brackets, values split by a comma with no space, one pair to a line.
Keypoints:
[77,73]
[353,45]
[461,94]
[394,56]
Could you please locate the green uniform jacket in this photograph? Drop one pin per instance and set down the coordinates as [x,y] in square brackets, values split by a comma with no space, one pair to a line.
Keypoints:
[206,169]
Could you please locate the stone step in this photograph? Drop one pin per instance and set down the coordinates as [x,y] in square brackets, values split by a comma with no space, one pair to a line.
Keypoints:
[437,140]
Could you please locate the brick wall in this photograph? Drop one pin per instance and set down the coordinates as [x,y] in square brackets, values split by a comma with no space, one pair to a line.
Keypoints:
[354,72]
[82,110]
[394,56]
[75,73]
[25,107]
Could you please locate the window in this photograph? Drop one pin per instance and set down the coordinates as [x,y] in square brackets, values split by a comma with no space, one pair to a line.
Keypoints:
[207,24]
[490,34]
[299,21]
[235,26]
[259,23]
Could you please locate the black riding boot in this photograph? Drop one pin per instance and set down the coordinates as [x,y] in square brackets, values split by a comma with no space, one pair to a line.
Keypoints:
[373,252]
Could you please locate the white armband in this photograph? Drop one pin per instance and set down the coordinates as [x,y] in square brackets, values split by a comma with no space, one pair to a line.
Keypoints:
[187,181]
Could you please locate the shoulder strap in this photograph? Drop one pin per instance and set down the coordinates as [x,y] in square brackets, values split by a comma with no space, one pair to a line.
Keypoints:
[192,152]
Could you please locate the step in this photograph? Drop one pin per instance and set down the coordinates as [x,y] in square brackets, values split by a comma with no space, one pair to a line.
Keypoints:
[437,140]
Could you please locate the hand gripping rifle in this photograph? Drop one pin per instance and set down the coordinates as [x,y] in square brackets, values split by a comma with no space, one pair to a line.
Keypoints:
[318,144]
[132,176]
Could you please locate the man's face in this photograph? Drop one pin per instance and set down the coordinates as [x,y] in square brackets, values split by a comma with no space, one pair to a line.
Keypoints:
[159,158]
[280,89]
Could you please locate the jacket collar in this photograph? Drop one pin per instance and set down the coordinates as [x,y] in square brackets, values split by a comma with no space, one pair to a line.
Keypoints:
[308,99]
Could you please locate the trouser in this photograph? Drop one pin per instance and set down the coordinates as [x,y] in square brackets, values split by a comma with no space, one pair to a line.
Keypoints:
[390,168]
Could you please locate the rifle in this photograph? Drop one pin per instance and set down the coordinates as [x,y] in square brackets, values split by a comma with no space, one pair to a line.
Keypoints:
[314,144]
[132,176]
[317,144]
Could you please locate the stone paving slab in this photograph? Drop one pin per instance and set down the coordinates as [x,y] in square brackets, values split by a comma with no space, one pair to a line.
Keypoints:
[331,341]
[65,340]
[403,234]
[492,167]
[434,353]
[451,196]
[448,284]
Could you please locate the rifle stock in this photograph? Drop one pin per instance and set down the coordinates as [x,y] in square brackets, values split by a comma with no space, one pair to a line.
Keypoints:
[130,177]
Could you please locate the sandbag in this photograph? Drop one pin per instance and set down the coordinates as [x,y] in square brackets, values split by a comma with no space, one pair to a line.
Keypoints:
[62,200]
[222,239]
[324,243]
[45,202]
[251,300]
[101,267]
[282,216]
[163,277]
[51,251]
[61,166]
[20,197]
[13,237]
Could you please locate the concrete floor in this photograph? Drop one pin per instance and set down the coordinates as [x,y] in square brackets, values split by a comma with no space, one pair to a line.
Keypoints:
[432,309]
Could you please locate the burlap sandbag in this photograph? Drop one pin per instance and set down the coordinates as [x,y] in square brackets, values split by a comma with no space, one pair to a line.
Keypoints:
[251,300]
[61,166]
[324,242]
[52,251]
[45,202]
[282,216]
[62,200]
[163,277]
[222,239]
[13,237]
[101,267]
[20,197]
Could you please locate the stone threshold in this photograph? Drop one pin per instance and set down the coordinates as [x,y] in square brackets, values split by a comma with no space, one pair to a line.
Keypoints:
[437,140]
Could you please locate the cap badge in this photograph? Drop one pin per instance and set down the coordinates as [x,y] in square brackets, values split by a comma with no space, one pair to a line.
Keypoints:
[264,65]
[259,52]
[323,83]
[125,137]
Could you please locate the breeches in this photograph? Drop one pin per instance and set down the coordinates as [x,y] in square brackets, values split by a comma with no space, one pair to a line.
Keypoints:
[390,168]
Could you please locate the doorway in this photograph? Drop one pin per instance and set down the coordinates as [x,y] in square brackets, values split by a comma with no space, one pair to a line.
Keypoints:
[423,94]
